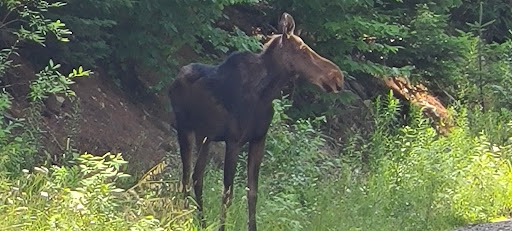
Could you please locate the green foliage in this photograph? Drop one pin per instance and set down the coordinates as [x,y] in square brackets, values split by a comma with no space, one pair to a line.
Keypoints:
[51,81]
[416,39]
[82,196]
[431,48]
[19,138]
[26,21]
[417,180]
[19,148]
[16,151]
[445,173]
[385,114]
[487,74]
[498,11]
[134,35]
[422,40]
[425,182]
[291,145]
[92,23]
[36,26]
[494,124]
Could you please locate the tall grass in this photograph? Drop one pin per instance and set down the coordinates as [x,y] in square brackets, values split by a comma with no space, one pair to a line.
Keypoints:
[417,180]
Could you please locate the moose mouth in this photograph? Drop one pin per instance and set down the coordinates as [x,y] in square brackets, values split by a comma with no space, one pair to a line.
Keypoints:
[332,82]
[331,87]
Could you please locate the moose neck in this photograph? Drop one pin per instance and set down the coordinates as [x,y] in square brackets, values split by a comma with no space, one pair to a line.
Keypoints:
[275,76]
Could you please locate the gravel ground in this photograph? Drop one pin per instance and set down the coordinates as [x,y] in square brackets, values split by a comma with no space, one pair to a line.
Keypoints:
[495,226]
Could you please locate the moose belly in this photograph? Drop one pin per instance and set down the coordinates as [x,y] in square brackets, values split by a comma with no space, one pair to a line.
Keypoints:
[208,120]
[218,125]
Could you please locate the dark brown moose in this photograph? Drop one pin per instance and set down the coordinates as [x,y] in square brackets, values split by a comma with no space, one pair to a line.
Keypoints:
[232,102]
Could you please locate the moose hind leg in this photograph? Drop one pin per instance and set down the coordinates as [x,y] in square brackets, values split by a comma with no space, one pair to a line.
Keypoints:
[185,140]
[232,151]
[255,156]
[203,146]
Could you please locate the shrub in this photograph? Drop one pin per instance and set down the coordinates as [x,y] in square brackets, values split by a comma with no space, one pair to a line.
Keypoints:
[20,137]
[84,196]
[421,181]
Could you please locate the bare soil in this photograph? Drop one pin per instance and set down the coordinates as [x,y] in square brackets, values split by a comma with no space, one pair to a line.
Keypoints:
[106,121]
[111,123]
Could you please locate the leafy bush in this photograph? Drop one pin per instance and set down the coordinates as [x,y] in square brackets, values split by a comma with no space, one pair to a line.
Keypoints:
[34,27]
[83,196]
[289,146]
[485,79]
[92,23]
[494,124]
[496,11]
[422,182]
[19,138]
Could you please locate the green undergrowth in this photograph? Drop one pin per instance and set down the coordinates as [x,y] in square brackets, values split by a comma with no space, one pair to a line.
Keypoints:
[85,197]
[414,180]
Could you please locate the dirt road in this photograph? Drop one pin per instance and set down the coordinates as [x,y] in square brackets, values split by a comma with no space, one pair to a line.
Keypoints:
[495,226]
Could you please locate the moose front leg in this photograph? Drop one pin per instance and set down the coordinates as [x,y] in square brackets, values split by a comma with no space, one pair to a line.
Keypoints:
[232,151]
[255,156]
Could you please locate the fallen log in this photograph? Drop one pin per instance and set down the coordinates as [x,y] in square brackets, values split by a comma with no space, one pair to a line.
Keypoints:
[419,95]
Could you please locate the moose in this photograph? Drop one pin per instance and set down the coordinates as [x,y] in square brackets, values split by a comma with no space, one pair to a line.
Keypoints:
[232,102]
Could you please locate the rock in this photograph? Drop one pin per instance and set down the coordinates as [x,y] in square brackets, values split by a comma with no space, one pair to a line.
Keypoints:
[54,104]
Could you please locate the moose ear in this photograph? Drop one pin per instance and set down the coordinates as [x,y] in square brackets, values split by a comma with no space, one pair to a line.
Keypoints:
[286,25]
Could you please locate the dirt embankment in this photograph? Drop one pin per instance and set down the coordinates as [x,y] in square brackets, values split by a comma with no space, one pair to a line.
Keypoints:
[103,119]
